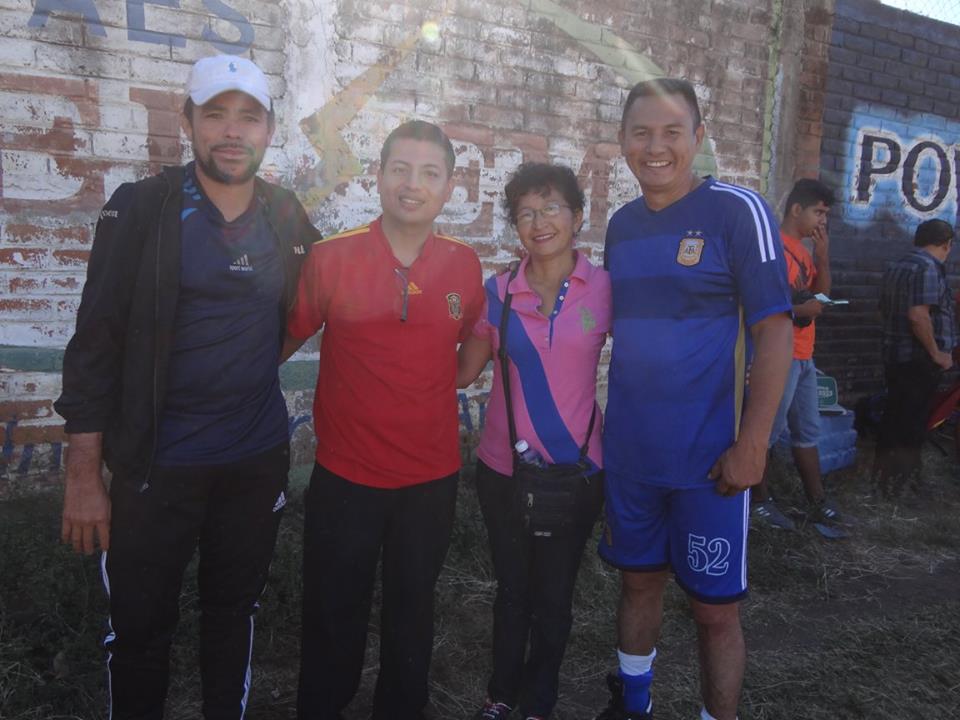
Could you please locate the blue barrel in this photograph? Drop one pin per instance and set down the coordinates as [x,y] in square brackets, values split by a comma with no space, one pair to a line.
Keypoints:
[837,444]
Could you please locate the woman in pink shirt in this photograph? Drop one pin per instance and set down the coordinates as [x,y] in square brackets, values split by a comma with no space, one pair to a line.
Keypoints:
[559,319]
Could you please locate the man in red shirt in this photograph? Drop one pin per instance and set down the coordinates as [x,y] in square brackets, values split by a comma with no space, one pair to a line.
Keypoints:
[805,217]
[393,299]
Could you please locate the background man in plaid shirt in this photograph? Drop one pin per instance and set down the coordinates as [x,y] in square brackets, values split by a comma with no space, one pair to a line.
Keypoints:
[919,334]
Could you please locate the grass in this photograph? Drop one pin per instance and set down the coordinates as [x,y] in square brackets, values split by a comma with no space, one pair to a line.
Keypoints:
[863,628]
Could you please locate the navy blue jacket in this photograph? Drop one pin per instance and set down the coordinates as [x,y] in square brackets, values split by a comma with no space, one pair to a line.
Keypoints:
[115,366]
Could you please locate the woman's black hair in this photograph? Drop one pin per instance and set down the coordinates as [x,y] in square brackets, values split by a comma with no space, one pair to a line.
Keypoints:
[542,178]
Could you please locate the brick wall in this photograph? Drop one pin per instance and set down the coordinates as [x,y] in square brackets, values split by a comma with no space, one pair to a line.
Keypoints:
[889,148]
[90,91]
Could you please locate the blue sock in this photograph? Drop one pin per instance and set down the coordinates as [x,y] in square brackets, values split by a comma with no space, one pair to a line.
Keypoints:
[636,692]
[705,715]
[636,686]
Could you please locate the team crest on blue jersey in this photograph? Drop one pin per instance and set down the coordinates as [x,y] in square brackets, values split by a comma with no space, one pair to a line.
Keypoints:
[454,305]
[691,248]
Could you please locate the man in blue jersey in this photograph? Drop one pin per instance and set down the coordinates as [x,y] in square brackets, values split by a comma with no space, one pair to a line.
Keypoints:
[698,276]
[171,379]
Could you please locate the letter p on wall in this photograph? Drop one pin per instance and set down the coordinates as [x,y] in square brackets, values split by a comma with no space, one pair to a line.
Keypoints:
[906,170]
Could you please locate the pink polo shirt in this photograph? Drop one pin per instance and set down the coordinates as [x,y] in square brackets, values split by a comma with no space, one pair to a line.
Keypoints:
[553,368]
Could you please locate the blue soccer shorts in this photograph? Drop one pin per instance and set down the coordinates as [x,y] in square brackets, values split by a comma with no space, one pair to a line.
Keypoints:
[699,534]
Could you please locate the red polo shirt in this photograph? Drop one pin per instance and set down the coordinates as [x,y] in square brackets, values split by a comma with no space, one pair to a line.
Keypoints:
[385,410]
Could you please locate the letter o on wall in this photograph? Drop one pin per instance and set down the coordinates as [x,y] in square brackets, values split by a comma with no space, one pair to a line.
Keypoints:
[910,172]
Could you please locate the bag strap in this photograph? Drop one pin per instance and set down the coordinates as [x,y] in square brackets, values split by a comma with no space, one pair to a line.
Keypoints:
[803,269]
[505,376]
[504,360]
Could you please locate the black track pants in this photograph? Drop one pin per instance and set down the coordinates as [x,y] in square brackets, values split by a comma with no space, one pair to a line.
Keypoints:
[232,513]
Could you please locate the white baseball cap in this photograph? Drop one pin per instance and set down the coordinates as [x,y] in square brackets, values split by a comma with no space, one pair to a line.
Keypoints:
[217,74]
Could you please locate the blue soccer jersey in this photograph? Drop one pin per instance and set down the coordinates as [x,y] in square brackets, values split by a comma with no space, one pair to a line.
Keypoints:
[688,281]
[223,401]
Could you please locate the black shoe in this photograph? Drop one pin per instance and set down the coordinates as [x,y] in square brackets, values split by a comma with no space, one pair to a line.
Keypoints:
[615,710]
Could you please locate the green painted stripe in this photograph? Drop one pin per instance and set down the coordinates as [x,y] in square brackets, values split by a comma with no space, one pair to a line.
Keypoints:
[296,375]
[31,359]
[299,374]
[612,50]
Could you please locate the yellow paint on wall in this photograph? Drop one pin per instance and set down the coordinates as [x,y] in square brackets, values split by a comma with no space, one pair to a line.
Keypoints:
[324,127]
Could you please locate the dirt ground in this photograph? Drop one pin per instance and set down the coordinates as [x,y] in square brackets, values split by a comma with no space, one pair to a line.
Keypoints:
[867,627]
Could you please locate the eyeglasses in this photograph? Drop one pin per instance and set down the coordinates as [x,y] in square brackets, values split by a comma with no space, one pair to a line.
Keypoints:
[526,217]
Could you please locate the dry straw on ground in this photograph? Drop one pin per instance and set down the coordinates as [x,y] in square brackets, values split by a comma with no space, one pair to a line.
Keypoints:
[863,628]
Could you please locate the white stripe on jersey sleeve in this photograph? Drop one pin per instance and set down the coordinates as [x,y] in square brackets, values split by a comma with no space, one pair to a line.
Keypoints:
[743,548]
[764,234]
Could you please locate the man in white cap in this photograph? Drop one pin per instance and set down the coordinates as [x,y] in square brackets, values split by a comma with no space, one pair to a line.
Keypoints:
[171,379]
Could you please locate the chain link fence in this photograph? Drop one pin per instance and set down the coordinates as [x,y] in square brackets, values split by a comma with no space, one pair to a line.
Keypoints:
[945,10]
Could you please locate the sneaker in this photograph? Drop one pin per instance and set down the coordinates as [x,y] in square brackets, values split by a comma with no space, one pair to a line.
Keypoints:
[824,511]
[767,514]
[493,711]
[615,709]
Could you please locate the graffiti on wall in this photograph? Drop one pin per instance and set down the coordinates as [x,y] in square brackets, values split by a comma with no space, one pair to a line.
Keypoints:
[23,460]
[87,13]
[906,168]
[38,457]
[63,167]
[78,140]
[66,143]
[69,138]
